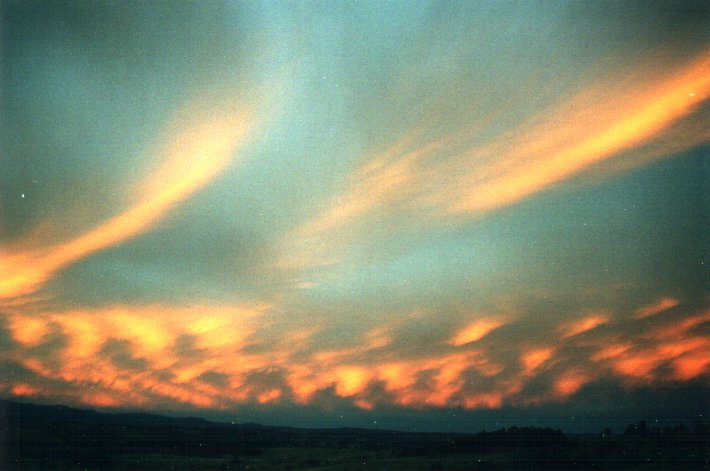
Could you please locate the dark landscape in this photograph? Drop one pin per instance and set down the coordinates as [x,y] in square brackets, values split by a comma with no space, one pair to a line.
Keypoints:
[34,437]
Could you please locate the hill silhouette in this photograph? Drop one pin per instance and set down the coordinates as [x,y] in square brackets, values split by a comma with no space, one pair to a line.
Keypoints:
[36,437]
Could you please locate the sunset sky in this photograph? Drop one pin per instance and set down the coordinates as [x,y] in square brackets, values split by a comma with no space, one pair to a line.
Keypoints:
[411,215]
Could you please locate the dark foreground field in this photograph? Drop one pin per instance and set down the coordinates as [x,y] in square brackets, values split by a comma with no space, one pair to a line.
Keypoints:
[61,438]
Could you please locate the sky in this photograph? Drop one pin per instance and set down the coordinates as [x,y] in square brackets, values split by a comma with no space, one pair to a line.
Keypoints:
[409,215]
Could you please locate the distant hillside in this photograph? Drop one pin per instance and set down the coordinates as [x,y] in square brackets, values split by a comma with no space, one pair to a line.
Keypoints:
[28,413]
[34,437]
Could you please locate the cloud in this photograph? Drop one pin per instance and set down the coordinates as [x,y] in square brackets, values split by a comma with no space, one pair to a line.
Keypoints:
[190,155]
[22,389]
[669,350]
[661,305]
[104,347]
[569,383]
[597,124]
[580,326]
[203,356]
[475,331]
[534,358]
[224,356]
[424,180]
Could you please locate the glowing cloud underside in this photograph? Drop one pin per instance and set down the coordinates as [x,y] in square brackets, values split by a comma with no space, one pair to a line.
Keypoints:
[204,356]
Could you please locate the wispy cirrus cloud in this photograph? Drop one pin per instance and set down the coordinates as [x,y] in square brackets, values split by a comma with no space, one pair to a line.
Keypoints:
[597,124]
[421,181]
[192,153]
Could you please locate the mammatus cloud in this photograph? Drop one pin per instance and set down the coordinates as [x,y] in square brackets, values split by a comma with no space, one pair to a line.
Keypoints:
[680,346]
[191,154]
[533,358]
[129,354]
[213,357]
[419,181]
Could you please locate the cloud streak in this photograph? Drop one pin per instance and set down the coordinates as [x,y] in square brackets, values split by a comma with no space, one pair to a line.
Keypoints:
[418,183]
[476,331]
[658,307]
[192,154]
[597,124]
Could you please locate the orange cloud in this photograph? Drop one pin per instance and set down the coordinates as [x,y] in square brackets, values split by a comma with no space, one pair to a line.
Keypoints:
[611,351]
[570,329]
[569,383]
[204,356]
[661,305]
[397,376]
[268,396]
[401,379]
[680,327]
[151,336]
[492,400]
[190,157]
[384,180]
[694,364]
[351,380]
[22,389]
[27,330]
[446,375]
[98,399]
[476,330]
[418,182]
[594,126]
[638,364]
[533,359]
[662,353]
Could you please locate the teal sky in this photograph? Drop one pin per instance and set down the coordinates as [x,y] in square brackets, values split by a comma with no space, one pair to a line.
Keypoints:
[356,210]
